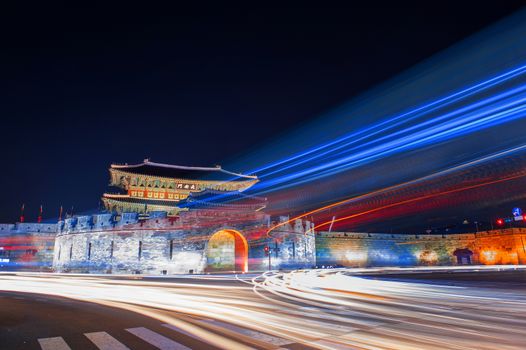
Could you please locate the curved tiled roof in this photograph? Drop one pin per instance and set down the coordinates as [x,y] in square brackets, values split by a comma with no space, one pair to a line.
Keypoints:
[205,199]
[183,172]
[127,198]
[224,197]
[211,198]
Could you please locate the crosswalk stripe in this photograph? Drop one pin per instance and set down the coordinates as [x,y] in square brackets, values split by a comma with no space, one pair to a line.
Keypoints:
[180,330]
[156,339]
[56,343]
[251,333]
[104,341]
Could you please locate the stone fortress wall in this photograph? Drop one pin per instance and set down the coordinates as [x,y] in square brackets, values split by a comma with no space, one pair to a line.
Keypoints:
[27,246]
[505,246]
[107,243]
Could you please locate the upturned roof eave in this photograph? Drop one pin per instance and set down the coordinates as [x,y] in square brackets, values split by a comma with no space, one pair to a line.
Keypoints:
[181,167]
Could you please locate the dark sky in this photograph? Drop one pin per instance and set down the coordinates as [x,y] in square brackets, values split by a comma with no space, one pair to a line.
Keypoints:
[86,86]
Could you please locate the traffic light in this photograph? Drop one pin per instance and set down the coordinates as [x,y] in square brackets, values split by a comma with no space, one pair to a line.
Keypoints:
[500,222]
[267,250]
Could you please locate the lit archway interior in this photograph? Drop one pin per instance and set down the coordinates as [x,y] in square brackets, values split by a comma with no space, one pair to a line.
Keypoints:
[464,256]
[227,251]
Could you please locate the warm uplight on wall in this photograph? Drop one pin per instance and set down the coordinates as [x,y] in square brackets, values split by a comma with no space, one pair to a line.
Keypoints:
[356,256]
[489,255]
[428,256]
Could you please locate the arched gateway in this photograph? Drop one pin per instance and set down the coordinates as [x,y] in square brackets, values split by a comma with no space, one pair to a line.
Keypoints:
[227,251]
[464,256]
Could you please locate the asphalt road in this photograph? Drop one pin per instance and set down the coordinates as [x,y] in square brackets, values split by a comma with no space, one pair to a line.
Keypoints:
[325,309]
[25,318]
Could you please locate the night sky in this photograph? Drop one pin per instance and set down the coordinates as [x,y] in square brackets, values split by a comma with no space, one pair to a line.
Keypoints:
[83,87]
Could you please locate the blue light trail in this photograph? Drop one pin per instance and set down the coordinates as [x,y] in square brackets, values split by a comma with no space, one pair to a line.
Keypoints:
[469,104]
[468,123]
[419,111]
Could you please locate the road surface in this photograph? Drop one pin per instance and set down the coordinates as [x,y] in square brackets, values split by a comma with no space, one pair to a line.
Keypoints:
[446,308]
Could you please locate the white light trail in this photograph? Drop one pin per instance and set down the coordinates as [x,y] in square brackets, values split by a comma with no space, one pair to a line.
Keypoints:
[328,309]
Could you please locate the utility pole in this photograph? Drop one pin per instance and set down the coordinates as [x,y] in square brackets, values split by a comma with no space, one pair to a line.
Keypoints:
[332,223]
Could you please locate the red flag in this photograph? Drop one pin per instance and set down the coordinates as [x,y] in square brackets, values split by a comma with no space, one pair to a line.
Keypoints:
[22,219]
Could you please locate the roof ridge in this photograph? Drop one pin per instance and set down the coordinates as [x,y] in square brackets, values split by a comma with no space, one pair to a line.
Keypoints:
[184,167]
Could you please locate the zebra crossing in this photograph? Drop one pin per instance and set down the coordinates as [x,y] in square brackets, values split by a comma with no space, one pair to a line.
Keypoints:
[56,343]
[104,341]
[157,340]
